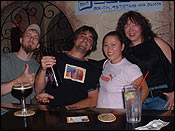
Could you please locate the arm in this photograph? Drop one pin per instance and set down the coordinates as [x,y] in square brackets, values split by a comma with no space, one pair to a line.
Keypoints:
[145,90]
[164,47]
[6,87]
[41,80]
[168,52]
[91,101]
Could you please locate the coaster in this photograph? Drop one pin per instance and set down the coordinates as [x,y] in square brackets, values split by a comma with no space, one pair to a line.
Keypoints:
[107,117]
[20,114]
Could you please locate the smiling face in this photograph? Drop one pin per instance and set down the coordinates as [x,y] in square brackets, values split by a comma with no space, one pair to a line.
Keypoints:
[84,42]
[30,40]
[113,48]
[133,32]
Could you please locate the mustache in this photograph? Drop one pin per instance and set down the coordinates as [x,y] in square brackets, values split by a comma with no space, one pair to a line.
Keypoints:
[28,49]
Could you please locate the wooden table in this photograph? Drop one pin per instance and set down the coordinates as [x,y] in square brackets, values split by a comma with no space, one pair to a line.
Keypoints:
[53,118]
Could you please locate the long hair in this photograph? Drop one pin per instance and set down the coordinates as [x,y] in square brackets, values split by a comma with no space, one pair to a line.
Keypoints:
[135,17]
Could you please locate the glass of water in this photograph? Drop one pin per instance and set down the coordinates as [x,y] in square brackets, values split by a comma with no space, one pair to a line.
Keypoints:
[133,103]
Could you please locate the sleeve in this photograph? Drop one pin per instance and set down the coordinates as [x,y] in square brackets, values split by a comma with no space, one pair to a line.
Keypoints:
[168,69]
[4,67]
[97,63]
[93,79]
[132,73]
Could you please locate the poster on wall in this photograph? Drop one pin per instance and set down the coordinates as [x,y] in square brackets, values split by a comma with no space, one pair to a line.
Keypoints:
[100,7]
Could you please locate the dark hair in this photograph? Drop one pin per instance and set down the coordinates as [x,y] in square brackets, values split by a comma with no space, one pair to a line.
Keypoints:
[134,16]
[112,33]
[94,33]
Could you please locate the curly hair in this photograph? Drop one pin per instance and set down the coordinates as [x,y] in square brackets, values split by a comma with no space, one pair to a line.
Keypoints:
[135,17]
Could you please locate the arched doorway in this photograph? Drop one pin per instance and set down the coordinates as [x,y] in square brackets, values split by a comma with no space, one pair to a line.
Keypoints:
[56,30]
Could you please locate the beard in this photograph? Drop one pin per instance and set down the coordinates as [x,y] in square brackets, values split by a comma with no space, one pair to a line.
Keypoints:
[28,49]
[81,49]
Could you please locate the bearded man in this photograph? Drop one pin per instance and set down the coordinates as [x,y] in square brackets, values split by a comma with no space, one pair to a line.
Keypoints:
[20,67]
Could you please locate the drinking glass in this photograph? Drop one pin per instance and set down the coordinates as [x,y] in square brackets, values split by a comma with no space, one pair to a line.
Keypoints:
[133,103]
[21,92]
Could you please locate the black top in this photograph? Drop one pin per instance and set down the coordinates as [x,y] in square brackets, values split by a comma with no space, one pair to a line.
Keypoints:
[98,64]
[78,78]
[149,57]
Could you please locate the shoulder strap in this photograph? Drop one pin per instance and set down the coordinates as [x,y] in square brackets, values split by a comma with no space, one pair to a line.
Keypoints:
[105,63]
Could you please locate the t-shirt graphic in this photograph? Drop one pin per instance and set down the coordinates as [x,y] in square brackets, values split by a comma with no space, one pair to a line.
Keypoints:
[107,79]
[74,73]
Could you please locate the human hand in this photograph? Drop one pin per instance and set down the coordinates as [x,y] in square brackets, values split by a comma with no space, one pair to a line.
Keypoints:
[44,97]
[27,77]
[170,101]
[47,61]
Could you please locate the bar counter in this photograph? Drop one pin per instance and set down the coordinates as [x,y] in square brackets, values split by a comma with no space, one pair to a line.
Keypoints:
[54,118]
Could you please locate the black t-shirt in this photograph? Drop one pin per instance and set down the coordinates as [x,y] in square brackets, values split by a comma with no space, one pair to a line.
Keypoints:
[78,78]
[98,63]
[149,57]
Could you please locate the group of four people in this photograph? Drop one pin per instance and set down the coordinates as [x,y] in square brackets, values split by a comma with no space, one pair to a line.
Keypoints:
[131,51]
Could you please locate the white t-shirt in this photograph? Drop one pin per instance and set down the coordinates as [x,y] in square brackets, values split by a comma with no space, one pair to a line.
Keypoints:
[112,80]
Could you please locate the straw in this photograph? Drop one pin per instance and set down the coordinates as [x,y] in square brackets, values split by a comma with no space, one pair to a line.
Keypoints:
[54,77]
[131,100]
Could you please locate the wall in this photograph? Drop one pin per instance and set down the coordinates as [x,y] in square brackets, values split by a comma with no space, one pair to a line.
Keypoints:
[162,22]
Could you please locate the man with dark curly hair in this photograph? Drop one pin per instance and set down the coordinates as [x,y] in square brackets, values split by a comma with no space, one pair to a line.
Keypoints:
[78,75]
[150,53]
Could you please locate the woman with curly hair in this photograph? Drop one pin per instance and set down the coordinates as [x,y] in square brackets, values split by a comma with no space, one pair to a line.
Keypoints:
[150,53]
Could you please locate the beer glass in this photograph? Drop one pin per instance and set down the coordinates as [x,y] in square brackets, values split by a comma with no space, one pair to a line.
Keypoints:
[21,92]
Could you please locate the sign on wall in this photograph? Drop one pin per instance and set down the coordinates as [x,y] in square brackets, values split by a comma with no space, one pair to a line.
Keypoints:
[100,7]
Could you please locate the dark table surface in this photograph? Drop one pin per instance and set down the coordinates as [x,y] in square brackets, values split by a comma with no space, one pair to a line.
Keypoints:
[54,118]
